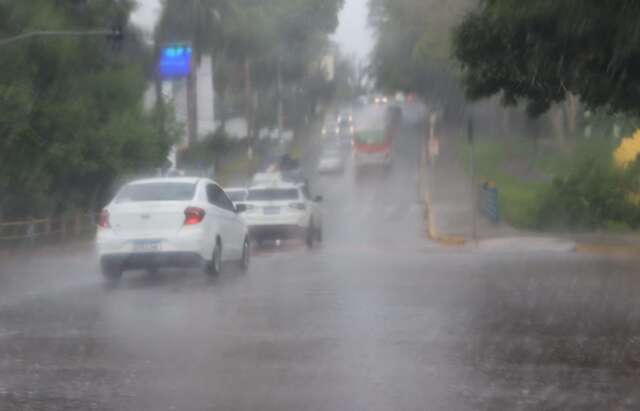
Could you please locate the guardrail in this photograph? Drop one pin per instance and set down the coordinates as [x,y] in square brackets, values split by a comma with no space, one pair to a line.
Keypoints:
[32,232]
[489,204]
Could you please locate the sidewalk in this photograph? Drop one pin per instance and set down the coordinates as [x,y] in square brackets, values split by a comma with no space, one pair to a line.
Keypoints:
[451,200]
[452,208]
[450,204]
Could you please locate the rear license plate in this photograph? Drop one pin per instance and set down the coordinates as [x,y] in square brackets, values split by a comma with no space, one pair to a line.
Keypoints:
[271,210]
[145,246]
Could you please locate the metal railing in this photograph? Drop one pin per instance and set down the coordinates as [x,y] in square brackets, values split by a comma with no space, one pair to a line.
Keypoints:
[32,232]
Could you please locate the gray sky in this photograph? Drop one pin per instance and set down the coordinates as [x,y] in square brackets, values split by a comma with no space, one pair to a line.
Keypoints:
[352,35]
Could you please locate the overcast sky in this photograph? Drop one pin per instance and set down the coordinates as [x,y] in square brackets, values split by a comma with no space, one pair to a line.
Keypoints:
[352,35]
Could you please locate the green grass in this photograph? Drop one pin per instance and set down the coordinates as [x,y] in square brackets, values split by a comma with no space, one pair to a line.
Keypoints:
[518,196]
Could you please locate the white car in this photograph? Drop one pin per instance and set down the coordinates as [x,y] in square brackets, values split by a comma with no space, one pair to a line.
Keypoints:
[331,161]
[171,222]
[237,195]
[282,210]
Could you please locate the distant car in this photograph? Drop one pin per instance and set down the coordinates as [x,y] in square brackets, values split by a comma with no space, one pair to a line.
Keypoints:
[331,161]
[236,194]
[345,130]
[394,116]
[267,177]
[281,211]
[171,222]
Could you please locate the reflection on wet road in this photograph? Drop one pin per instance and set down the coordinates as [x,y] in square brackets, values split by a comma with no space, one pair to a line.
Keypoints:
[376,318]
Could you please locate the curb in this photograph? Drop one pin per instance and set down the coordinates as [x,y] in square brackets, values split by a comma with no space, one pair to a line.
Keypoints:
[608,250]
[432,232]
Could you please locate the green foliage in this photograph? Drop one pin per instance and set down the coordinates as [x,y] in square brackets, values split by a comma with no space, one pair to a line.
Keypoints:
[541,51]
[412,51]
[594,195]
[288,34]
[72,115]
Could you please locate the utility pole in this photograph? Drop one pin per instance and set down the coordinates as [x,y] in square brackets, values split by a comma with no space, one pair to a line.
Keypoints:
[114,34]
[472,167]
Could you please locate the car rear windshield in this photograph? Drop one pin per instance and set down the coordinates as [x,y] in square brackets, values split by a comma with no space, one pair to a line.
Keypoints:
[370,137]
[273,194]
[156,192]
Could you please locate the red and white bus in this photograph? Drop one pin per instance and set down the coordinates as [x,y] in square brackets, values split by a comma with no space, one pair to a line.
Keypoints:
[372,148]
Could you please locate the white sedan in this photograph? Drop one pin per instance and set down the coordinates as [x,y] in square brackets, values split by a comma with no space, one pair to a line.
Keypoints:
[171,222]
[331,161]
[283,210]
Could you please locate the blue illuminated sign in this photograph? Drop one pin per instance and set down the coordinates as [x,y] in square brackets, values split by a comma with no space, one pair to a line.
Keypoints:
[175,61]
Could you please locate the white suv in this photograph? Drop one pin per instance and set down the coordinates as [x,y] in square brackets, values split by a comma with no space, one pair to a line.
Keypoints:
[281,210]
[171,222]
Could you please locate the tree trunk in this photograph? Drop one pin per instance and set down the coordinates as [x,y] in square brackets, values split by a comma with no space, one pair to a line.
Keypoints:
[248,89]
[192,106]
[160,109]
[571,107]
[556,118]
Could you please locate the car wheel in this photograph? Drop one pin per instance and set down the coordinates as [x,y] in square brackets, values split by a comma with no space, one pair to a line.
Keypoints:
[309,236]
[246,255]
[111,271]
[214,267]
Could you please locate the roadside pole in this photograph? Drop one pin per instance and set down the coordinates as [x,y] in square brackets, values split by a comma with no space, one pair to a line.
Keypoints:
[472,166]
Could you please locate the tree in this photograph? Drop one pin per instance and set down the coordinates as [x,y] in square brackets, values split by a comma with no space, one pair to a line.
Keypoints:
[412,50]
[545,51]
[72,114]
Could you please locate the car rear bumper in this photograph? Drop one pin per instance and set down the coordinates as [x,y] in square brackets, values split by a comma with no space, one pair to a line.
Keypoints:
[145,260]
[191,242]
[330,168]
[376,159]
[275,232]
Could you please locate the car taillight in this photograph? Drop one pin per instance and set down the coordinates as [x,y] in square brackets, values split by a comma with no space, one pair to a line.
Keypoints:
[193,215]
[298,206]
[103,220]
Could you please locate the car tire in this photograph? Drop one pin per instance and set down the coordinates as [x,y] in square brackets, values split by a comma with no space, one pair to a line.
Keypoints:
[111,271]
[309,235]
[245,260]
[214,267]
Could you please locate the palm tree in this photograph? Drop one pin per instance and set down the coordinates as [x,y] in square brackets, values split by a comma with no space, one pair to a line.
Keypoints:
[195,22]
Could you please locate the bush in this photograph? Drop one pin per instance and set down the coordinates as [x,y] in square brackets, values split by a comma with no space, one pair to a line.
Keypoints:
[594,195]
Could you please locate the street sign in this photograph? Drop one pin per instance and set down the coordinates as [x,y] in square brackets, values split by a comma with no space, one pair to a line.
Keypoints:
[175,61]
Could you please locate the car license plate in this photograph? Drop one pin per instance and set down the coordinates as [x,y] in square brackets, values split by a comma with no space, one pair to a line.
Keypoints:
[271,210]
[146,246]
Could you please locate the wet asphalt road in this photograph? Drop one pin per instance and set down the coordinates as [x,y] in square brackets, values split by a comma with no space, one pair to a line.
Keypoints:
[377,318]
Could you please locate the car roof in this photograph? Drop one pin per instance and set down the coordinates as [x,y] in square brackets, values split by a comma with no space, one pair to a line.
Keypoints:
[186,180]
[234,188]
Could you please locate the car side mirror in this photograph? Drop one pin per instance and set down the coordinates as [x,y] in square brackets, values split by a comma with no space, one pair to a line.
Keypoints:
[241,208]
[318,199]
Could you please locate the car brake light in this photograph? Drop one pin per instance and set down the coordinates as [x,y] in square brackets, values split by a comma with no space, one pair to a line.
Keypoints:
[103,220]
[193,216]
[298,206]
